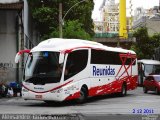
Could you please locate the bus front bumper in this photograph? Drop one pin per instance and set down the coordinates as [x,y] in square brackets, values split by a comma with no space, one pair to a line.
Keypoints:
[47,96]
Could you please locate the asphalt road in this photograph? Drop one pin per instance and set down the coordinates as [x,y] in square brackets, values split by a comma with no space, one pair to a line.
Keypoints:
[135,106]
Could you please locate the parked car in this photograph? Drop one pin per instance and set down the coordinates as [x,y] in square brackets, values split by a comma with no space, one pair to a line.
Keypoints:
[147,67]
[152,83]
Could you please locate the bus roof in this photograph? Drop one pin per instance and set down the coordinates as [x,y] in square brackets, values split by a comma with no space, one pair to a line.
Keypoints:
[59,44]
[147,61]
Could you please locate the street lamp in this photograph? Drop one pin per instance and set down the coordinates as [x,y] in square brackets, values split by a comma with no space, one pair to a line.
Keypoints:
[61,20]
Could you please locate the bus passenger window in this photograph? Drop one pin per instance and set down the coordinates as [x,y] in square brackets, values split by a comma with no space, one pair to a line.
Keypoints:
[105,57]
[76,62]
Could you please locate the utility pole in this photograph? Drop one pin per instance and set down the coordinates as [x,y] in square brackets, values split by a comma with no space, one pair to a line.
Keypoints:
[122,20]
[60,20]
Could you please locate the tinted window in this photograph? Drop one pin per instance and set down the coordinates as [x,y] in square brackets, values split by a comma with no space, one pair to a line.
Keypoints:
[76,62]
[152,69]
[42,68]
[129,60]
[107,57]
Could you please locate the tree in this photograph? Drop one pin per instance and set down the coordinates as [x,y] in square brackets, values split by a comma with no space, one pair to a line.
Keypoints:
[45,15]
[155,40]
[145,45]
[72,29]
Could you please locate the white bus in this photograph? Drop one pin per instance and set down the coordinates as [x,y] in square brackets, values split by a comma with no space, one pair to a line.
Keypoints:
[64,69]
[147,67]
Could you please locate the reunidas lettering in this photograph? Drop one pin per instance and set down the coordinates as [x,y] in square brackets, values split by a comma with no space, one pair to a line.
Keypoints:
[103,71]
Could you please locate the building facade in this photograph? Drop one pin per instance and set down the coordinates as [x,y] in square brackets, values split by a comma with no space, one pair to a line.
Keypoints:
[107,30]
[109,25]
[149,18]
[16,33]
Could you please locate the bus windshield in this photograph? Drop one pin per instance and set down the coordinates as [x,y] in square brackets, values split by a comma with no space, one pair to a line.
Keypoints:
[42,68]
[152,69]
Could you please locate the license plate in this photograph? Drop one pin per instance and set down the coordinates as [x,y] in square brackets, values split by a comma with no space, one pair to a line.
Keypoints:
[38,96]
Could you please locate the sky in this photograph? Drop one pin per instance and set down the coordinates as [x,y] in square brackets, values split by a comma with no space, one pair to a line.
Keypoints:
[136,3]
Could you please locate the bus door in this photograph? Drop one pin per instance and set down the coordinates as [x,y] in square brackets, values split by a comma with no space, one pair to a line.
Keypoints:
[76,62]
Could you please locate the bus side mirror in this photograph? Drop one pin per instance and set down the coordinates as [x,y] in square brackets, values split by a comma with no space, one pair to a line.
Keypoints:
[18,55]
[61,58]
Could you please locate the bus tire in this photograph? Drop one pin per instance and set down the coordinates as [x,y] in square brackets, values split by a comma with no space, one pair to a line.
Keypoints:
[123,90]
[83,95]
[145,89]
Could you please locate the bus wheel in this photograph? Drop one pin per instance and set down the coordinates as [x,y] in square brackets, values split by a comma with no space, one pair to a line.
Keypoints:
[83,95]
[145,89]
[123,90]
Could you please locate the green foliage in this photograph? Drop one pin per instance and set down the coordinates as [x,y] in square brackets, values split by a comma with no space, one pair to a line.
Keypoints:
[155,40]
[145,45]
[45,15]
[72,29]
[44,19]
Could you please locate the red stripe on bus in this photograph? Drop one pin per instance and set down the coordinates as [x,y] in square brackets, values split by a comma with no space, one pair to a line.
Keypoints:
[74,96]
[24,51]
[70,50]
[114,87]
[48,90]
